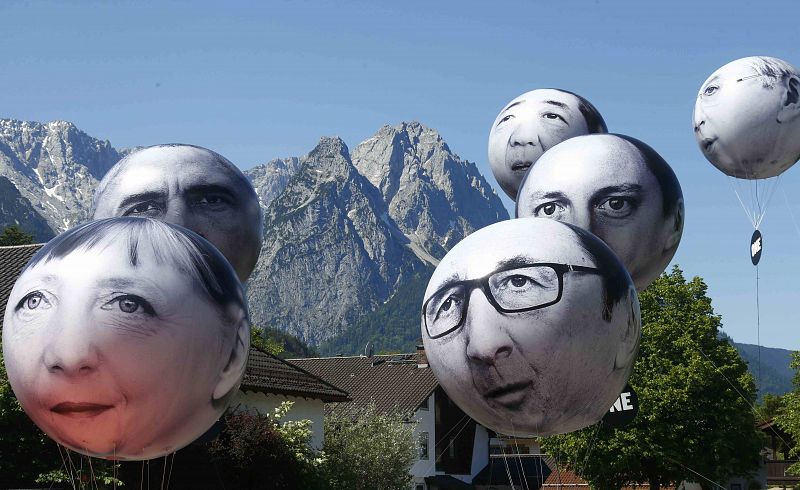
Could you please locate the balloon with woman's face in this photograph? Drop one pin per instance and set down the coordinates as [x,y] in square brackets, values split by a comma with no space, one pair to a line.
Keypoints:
[747,117]
[531,326]
[616,187]
[126,338]
[532,123]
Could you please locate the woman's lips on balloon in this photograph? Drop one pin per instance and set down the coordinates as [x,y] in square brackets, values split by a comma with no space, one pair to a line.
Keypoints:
[80,409]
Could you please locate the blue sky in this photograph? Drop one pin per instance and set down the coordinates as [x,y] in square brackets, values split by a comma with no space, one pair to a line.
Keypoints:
[260,80]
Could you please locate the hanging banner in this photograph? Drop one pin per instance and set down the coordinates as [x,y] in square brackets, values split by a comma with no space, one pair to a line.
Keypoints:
[624,409]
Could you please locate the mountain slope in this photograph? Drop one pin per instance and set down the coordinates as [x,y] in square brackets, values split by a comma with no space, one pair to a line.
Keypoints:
[435,198]
[55,166]
[329,253]
[16,210]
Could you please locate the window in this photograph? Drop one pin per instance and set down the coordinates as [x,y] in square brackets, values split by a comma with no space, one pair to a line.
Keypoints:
[424,405]
[420,486]
[423,445]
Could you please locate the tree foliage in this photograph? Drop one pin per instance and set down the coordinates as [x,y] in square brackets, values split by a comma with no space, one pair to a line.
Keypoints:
[26,451]
[788,417]
[263,451]
[14,235]
[368,450]
[696,401]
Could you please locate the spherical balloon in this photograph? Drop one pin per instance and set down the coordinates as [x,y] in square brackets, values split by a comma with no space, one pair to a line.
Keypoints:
[531,326]
[192,187]
[126,338]
[747,117]
[532,123]
[616,187]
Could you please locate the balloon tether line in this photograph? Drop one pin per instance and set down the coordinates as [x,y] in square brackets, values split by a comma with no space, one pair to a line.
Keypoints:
[758,329]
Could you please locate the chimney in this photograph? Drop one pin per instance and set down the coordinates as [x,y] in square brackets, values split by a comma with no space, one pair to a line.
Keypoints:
[422,358]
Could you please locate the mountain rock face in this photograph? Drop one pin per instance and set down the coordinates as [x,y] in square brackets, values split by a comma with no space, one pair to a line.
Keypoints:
[16,210]
[55,166]
[330,254]
[271,178]
[345,234]
[435,198]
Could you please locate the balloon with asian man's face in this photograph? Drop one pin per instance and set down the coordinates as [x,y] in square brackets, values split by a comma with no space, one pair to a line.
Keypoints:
[126,338]
[531,326]
[532,123]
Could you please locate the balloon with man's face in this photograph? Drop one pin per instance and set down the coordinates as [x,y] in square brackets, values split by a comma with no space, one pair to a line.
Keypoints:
[616,187]
[531,326]
[192,187]
[532,123]
[126,338]
[747,117]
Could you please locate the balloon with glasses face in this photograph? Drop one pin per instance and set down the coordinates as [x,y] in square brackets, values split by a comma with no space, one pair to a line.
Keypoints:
[747,117]
[531,326]
[532,123]
[619,189]
[126,338]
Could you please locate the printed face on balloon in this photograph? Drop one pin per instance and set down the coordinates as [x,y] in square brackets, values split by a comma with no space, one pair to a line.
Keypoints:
[746,117]
[191,187]
[617,188]
[531,327]
[115,349]
[531,124]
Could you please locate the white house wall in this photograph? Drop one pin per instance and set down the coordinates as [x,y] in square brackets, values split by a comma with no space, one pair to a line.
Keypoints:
[303,408]
[425,422]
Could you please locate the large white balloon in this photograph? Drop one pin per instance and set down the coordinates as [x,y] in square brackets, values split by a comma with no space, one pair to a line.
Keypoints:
[126,338]
[531,326]
[192,187]
[616,187]
[747,117]
[532,123]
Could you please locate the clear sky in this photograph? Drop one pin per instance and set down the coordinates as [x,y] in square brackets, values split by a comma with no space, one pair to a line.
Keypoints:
[260,80]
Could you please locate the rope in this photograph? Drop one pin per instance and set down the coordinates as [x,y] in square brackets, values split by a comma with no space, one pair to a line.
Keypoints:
[758,328]
[790,210]
[508,470]
[736,389]
[696,473]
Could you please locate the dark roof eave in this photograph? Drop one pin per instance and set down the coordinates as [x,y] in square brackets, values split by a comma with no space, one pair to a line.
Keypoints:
[325,397]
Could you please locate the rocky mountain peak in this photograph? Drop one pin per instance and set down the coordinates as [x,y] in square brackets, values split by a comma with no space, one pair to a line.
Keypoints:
[434,196]
[55,166]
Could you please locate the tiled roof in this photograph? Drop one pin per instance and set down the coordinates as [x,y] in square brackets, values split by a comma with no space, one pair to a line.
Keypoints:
[269,374]
[392,382]
[12,261]
[561,477]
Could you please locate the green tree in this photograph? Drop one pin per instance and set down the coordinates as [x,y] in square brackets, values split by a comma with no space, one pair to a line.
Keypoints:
[264,343]
[14,235]
[769,407]
[368,450]
[696,400]
[264,451]
[788,418]
[26,451]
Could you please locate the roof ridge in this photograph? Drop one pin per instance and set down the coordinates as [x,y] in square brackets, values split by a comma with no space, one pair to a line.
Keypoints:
[351,357]
[5,247]
[292,365]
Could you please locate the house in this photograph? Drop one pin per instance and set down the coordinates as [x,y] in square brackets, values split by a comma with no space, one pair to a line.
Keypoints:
[454,450]
[776,458]
[269,381]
